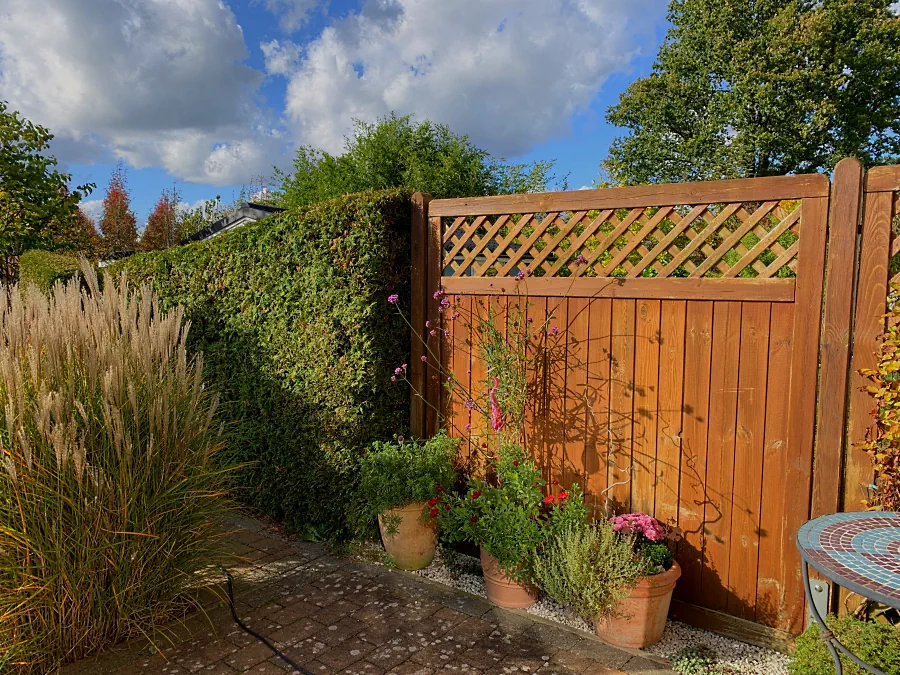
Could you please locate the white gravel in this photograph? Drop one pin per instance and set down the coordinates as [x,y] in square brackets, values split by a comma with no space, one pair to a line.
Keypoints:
[732,656]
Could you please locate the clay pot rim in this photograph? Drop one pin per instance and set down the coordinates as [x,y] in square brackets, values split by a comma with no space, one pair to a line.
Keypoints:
[669,577]
[409,506]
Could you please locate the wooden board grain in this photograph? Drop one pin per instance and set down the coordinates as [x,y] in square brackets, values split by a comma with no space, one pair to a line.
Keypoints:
[597,432]
[720,477]
[748,459]
[670,407]
[695,420]
[646,392]
[620,469]
[577,339]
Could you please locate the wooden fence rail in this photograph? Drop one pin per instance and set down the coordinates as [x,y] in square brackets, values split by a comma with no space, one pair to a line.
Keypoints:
[696,342]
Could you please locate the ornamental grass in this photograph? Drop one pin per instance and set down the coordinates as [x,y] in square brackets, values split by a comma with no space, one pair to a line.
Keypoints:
[109,492]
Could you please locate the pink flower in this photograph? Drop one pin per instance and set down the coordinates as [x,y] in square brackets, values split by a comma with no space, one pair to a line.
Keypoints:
[549,499]
[469,403]
[393,298]
[424,358]
[641,524]
[496,414]
[554,330]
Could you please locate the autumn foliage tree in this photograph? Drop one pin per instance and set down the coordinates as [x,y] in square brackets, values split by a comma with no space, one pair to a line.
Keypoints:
[118,224]
[163,225]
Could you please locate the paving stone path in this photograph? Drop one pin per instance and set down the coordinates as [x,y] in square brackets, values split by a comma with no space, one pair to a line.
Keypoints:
[332,615]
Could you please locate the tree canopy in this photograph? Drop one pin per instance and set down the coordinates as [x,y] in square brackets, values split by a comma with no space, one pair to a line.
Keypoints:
[395,152]
[33,193]
[762,87]
[163,225]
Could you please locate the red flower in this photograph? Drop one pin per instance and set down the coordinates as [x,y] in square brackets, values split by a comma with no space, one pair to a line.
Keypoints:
[447,508]
[474,519]
[439,488]
[476,494]
[562,495]
[484,445]
[433,513]
[432,502]
[549,499]
[515,462]
[555,482]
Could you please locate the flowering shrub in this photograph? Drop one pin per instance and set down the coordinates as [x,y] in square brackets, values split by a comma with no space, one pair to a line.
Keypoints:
[507,514]
[405,471]
[648,537]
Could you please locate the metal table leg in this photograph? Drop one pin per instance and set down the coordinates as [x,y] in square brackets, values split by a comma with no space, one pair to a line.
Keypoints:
[833,644]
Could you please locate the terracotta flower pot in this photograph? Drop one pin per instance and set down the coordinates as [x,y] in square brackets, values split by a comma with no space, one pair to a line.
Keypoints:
[642,615]
[503,591]
[409,540]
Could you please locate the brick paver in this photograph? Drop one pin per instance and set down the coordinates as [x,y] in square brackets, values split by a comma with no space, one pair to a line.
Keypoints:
[335,616]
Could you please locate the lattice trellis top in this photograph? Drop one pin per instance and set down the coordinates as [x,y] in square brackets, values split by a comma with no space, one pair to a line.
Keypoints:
[758,240]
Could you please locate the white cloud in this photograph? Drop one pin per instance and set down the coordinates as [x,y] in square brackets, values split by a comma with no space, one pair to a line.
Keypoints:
[510,73]
[93,208]
[281,57]
[292,14]
[156,82]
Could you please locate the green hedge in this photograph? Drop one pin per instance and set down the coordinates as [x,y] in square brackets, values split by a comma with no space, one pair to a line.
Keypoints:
[292,318]
[878,644]
[45,268]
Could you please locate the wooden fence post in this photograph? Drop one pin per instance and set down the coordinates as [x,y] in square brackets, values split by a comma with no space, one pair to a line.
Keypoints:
[434,254]
[418,309]
[840,271]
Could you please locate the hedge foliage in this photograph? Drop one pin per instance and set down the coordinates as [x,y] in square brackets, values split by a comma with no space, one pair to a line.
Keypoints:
[291,316]
[45,268]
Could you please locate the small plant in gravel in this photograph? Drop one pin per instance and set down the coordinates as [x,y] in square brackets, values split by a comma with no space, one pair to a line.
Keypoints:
[588,568]
[507,514]
[699,661]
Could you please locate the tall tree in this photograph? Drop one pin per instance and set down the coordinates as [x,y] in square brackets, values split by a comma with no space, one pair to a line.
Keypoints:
[33,192]
[76,234]
[762,87]
[163,224]
[396,152]
[118,224]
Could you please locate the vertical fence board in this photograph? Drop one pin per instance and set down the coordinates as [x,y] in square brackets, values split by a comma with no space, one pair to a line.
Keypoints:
[555,394]
[779,604]
[577,339]
[620,472]
[536,311]
[646,390]
[748,459]
[597,441]
[868,325]
[668,428]
[843,225]
[695,418]
[726,352]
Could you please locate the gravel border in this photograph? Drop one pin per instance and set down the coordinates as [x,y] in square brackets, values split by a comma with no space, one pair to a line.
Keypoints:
[464,573]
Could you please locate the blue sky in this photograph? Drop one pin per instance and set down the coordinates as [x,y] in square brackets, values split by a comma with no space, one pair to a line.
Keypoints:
[208,95]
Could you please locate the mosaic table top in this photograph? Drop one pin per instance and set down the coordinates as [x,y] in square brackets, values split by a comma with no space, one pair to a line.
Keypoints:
[859,551]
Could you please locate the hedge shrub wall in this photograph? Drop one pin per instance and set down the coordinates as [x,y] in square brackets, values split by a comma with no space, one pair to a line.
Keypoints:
[291,315]
[45,268]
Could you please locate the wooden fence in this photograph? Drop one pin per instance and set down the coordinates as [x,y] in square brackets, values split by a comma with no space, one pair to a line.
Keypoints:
[691,347]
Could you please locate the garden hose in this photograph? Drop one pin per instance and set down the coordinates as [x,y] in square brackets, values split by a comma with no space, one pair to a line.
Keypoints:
[250,631]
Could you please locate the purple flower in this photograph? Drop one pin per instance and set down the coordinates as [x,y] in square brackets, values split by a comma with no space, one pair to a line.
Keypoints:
[428,324]
[446,333]
[530,319]
[520,276]
[393,298]
[467,428]
[400,438]
[454,316]
[432,332]
[580,259]
[424,358]
[393,378]
[438,293]
[554,330]
[469,403]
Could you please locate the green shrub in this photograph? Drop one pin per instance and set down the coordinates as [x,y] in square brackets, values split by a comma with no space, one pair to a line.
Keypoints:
[590,569]
[877,644]
[292,317]
[656,556]
[399,473]
[108,494]
[45,268]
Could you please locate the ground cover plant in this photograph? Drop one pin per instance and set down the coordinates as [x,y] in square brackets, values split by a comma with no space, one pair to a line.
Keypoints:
[109,495]
[289,314]
[878,644]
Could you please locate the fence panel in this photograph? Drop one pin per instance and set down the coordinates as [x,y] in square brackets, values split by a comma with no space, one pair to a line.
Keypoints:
[677,370]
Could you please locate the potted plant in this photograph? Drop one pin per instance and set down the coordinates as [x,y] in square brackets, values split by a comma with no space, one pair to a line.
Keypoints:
[508,517]
[403,482]
[640,618]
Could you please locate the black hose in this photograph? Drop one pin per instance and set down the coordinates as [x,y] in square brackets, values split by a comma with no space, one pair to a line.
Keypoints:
[250,631]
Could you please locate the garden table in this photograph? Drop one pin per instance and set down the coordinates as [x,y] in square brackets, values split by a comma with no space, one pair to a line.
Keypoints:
[859,551]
